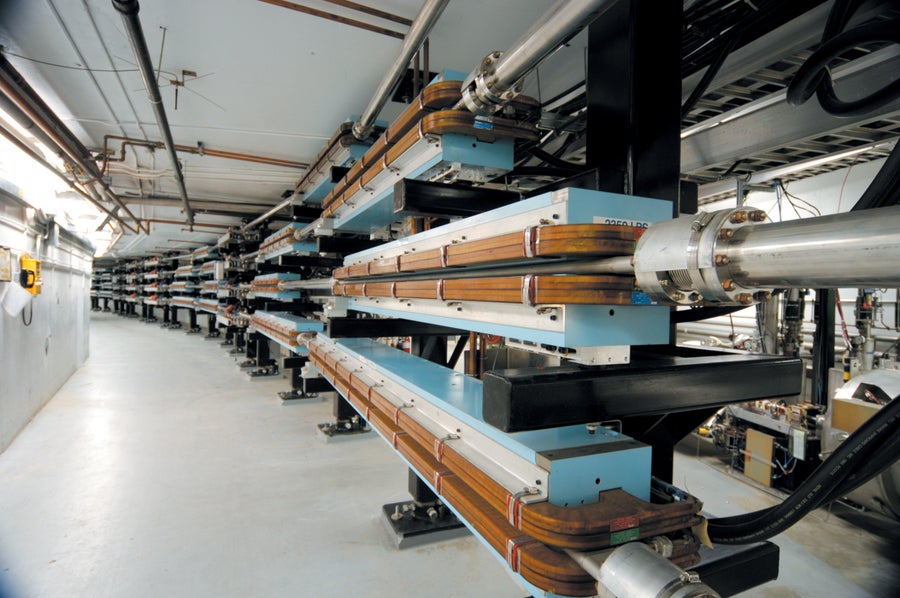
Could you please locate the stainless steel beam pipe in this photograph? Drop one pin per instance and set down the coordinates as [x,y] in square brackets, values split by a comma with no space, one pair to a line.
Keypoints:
[498,74]
[620,265]
[842,250]
[637,571]
[736,256]
[268,214]
[129,10]
[428,15]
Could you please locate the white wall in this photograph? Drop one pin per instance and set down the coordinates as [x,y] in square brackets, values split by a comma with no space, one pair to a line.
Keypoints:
[823,191]
[36,360]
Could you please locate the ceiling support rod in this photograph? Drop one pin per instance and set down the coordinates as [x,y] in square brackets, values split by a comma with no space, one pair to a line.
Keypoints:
[129,10]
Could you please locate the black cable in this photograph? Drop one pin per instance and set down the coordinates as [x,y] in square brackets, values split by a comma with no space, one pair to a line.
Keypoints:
[711,71]
[813,76]
[884,190]
[555,162]
[830,477]
[696,314]
[30,314]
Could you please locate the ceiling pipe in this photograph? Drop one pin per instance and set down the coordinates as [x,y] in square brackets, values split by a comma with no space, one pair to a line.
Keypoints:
[54,133]
[40,160]
[178,222]
[428,15]
[335,18]
[498,79]
[129,10]
[199,150]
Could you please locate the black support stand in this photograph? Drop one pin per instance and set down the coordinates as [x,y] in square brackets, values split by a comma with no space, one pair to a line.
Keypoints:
[347,422]
[423,520]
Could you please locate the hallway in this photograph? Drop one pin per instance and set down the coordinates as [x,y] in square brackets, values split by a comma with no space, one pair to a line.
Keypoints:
[159,469]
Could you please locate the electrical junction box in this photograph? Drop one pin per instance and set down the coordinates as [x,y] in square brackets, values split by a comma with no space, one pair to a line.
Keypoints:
[5,264]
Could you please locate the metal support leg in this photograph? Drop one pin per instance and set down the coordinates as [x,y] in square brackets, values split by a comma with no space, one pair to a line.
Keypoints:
[347,422]
[302,388]
[174,324]
[229,337]
[240,341]
[193,327]
[422,520]
[264,365]
[212,331]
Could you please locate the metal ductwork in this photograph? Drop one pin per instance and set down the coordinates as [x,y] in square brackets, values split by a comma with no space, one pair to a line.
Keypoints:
[498,79]
[428,15]
[129,10]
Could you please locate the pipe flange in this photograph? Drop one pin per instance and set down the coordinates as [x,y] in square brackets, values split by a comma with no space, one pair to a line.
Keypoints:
[685,261]
[477,93]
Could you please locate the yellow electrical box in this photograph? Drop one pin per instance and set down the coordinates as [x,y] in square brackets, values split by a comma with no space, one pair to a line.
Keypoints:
[30,274]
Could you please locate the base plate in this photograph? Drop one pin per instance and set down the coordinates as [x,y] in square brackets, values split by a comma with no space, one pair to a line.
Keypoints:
[411,528]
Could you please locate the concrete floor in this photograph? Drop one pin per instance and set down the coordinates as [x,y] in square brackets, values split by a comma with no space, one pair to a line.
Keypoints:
[160,470]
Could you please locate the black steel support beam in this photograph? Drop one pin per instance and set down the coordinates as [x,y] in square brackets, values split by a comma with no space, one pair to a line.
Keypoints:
[291,308]
[422,198]
[659,381]
[823,345]
[338,172]
[375,328]
[344,245]
[589,179]
[731,570]
[305,213]
[634,99]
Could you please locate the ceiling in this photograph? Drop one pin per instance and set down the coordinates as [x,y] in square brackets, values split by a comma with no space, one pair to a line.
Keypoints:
[275,82]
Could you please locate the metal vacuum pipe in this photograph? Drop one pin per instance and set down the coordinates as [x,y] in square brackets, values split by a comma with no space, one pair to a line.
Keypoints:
[129,10]
[620,265]
[428,15]
[561,21]
[260,219]
[843,250]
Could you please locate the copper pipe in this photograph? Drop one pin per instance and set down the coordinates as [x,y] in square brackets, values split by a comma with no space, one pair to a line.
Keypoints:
[416,75]
[471,368]
[181,223]
[371,11]
[197,151]
[37,158]
[335,18]
[482,350]
[239,156]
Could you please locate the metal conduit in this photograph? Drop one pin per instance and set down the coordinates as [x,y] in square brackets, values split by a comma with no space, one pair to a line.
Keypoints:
[499,76]
[428,15]
[129,10]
